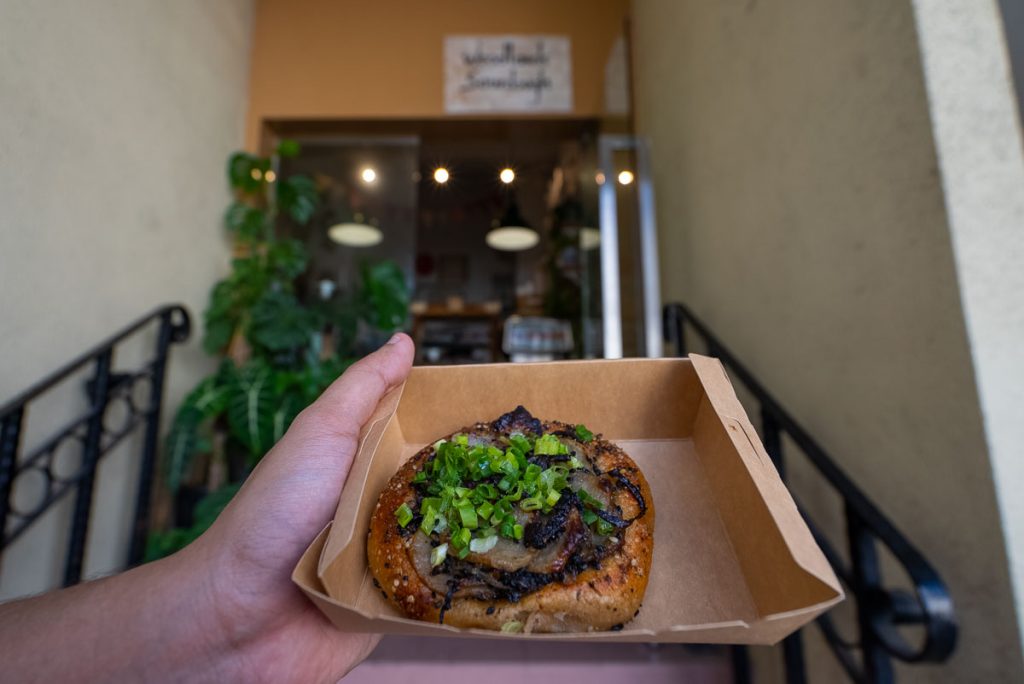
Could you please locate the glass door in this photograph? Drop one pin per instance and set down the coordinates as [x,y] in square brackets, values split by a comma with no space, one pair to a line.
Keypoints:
[627,256]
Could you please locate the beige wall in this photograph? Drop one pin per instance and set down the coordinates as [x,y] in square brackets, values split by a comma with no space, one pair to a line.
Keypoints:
[978,138]
[801,214]
[117,120]
[322,59]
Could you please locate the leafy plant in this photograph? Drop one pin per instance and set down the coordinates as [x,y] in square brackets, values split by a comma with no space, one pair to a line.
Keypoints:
[276,359]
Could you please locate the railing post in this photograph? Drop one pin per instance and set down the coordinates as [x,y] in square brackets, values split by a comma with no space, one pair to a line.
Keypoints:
[866,583]
[98,398]
[10,437]
[147,466]
[793,657]
[772,437]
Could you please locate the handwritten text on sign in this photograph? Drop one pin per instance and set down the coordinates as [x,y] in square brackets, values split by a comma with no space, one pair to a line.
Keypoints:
[507,74]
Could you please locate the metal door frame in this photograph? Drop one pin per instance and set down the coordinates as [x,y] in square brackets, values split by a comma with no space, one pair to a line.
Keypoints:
[611,302]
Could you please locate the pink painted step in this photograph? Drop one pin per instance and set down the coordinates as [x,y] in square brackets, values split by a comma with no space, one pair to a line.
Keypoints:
[425,660]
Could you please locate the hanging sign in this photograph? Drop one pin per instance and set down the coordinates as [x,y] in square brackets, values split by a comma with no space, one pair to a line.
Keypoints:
[514,73]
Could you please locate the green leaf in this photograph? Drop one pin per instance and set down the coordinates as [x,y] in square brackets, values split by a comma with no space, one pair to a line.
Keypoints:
[288,148]
[208,400]
[245,222]
[384,296]
[297,197]
[251,407]
[181,445]
[279,322]
[241,168]
[218,333]
[288,258]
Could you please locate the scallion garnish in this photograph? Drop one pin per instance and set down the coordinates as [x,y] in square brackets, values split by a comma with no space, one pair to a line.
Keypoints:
[463,502]
[583,433]
[438,554]
[404,514]
[483,545]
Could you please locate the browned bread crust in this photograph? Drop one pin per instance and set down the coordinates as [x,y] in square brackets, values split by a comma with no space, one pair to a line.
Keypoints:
[601,598]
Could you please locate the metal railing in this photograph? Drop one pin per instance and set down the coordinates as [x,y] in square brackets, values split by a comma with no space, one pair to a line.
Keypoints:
[880,611]
[105,386]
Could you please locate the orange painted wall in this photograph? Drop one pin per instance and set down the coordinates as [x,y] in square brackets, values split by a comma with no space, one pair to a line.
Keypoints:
[383,58]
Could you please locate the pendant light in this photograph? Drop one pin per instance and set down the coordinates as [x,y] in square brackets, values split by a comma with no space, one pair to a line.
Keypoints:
[512,233]
[354,230]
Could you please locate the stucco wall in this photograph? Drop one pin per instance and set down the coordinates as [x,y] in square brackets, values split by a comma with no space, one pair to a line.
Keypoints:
[117,120]
[801,213]
[977,131]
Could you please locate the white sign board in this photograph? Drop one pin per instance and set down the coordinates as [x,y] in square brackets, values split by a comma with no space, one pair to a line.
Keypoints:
[507,74]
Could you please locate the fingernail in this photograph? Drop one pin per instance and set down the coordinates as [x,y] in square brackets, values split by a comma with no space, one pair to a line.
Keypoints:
[394,338]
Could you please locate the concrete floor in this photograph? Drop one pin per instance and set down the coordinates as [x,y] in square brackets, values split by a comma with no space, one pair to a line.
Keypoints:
[429,660]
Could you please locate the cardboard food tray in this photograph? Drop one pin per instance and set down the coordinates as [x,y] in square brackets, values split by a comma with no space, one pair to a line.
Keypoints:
[733,560]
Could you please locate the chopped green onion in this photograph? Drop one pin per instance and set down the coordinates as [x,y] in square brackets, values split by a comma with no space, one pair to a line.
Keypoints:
[461,538]
[467,514]
[404,514]
[484,510]
[516,493]
[462,440]
[512,627]
[605,527]
[438,554]
[583,433]
[588,499]
[531,504]
[483,545]
[439,443]
[589,517]
[517,531]
[552,498]
[547,445]
[520,442]
[531,473]
[429,521]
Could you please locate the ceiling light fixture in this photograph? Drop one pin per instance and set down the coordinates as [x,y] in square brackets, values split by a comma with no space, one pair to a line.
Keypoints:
[357,232]
[507,175]
[441,175]
[512,233]
[625,177]
[368,175]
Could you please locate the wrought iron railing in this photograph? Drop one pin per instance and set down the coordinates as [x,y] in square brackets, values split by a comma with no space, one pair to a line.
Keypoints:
[106,385]
[881,611]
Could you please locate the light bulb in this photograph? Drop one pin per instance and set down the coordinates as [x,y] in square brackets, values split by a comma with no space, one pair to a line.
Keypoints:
[625,177]
[368,175]
[441,175]
[507,176]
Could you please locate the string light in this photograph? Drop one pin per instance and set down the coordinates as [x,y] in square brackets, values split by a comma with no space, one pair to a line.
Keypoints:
[255,173]
[270,176]
[368,175]
[625,177]
[507,175]
[441,175]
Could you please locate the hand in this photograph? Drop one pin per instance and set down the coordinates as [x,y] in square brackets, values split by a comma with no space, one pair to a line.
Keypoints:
[248,555]
[223,608]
